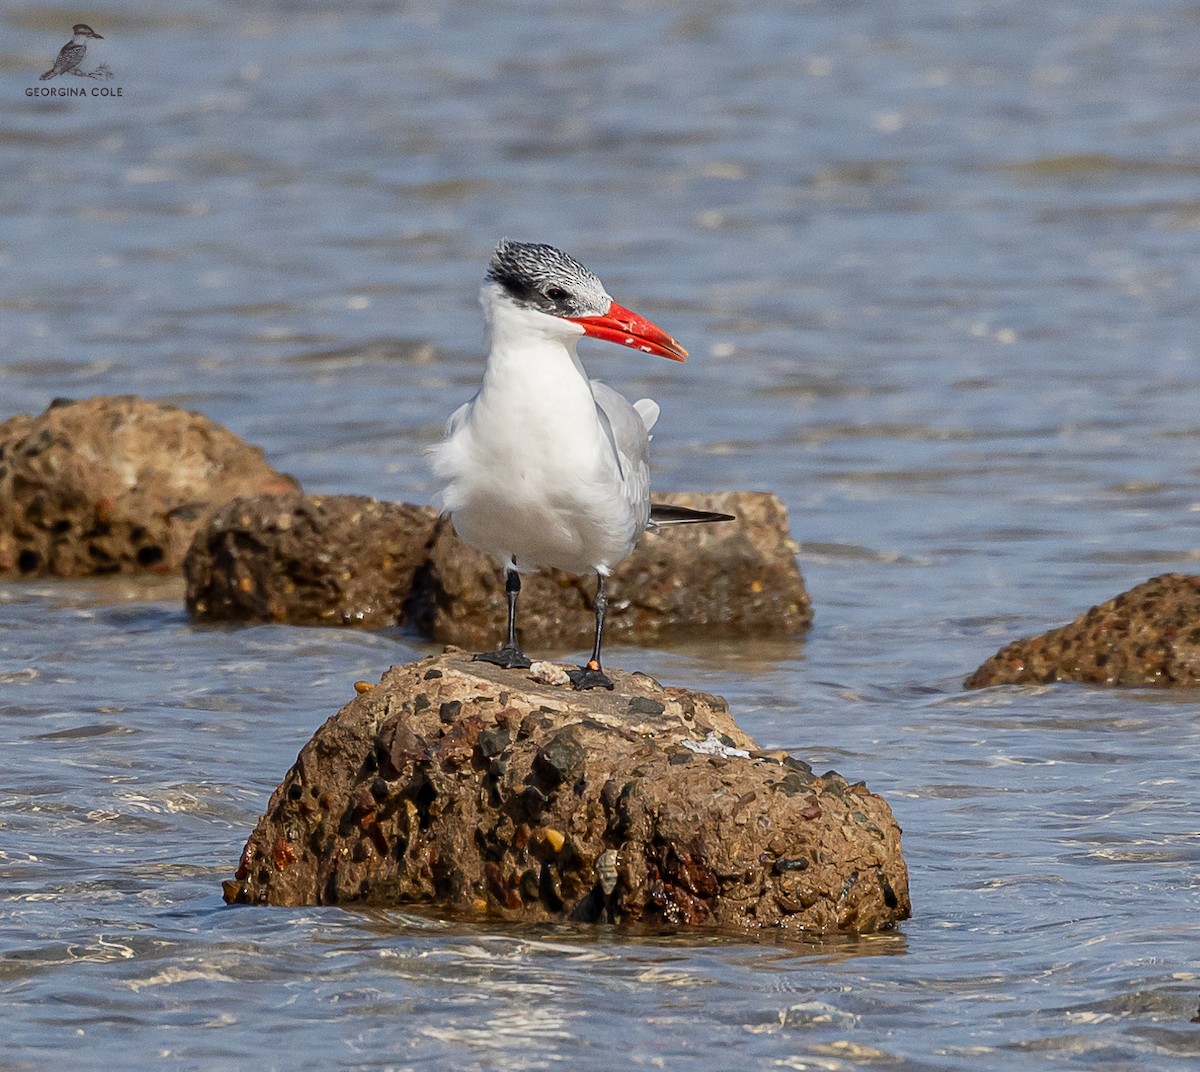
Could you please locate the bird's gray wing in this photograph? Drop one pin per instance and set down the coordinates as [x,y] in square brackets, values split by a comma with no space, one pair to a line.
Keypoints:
[455,420]
[626,429]
[647,409]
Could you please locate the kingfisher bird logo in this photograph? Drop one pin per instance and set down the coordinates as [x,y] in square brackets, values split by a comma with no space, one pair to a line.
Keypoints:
[73,53]
[71,59]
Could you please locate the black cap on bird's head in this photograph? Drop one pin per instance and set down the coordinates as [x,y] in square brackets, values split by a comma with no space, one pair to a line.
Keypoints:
[86,30]
[537,276]
[540,277]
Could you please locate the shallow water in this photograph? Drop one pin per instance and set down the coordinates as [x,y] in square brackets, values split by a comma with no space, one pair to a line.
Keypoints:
[936,265]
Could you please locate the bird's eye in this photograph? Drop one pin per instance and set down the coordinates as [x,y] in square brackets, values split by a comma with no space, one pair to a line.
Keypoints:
[557,294]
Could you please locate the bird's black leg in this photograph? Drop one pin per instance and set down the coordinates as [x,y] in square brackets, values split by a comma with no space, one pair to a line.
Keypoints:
[591,676]
[510,656]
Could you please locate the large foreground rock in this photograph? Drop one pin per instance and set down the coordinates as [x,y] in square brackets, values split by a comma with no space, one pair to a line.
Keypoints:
[345,559]
[459,785]
[116,485]
[1149,635]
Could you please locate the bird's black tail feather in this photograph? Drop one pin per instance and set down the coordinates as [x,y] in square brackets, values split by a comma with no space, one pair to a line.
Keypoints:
[665,514]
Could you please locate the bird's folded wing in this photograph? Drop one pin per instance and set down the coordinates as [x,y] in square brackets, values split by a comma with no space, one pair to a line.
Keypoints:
[666,514]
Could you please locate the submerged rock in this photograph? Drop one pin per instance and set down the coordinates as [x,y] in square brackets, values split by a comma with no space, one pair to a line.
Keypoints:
[344,559]
[456,784]
[1149,635]
[116,485]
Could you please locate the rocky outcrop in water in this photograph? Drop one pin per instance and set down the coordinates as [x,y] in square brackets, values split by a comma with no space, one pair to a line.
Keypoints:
[344,559]
[734,578]
[308,560]
[116,485]
[1149,635]
[458,785]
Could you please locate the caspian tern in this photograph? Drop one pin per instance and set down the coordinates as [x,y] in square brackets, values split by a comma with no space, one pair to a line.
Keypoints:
[545,467]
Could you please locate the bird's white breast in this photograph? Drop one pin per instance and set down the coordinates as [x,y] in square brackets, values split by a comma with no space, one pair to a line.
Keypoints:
[531,473]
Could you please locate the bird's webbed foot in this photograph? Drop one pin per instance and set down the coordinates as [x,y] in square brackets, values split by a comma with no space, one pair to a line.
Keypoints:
[509,657]
[589,677]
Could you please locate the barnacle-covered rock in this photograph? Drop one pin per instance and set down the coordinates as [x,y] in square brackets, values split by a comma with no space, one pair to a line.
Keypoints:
[1149,635]
[116,485]
[457,784]
[308,560]
[343,559]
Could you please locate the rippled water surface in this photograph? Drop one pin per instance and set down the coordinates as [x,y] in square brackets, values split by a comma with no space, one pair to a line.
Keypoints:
[937,267]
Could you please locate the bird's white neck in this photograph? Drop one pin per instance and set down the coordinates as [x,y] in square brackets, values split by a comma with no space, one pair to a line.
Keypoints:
[526,347]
